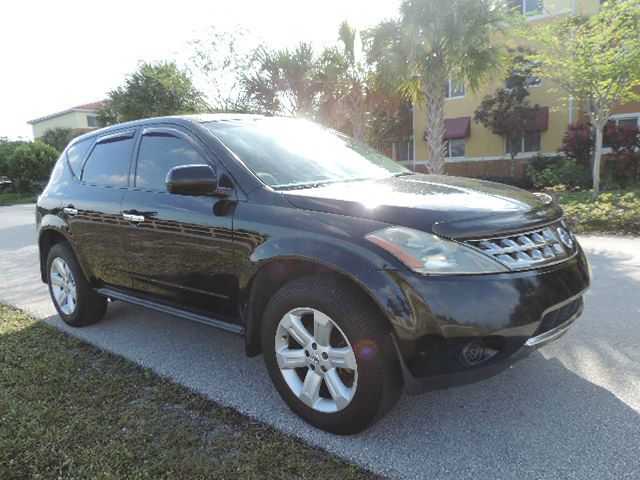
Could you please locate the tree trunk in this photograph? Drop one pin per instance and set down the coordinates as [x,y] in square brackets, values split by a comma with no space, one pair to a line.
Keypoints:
[435,122]
[597,158]
[358,114]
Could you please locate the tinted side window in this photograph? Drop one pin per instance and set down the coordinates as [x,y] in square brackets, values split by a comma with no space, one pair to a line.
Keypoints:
[76,154]
[108,163]
[160,153]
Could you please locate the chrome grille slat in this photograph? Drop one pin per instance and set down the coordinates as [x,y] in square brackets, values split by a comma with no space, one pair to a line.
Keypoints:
[539,247]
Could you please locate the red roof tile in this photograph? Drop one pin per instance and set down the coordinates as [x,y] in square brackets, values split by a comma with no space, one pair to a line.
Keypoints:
[89,106]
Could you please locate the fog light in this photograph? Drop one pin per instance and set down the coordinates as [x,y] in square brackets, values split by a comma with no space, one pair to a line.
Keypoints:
[476,352]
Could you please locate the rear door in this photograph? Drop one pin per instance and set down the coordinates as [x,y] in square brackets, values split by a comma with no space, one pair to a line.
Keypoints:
[92,205]
[179,248]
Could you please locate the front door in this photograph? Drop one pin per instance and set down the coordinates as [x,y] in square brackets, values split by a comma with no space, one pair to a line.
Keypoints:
[179,248]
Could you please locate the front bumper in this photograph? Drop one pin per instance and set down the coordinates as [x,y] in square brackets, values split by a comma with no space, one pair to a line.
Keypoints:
[505,317]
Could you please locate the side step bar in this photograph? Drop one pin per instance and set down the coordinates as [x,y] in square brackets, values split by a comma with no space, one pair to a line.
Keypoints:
[212,322]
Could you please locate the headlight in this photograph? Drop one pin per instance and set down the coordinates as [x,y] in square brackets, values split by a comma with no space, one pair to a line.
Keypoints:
[427,253]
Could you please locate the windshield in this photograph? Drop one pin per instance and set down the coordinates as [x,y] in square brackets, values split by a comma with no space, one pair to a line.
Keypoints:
[291,153]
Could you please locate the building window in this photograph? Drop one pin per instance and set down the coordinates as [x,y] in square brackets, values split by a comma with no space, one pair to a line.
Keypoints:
[403,151]
[454,89]
[456,147]
[528,142]
[619,122]
[529,8]
[92,121]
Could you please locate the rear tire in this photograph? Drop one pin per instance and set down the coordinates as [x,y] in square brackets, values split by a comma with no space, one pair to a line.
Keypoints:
[76,302]
[341,381]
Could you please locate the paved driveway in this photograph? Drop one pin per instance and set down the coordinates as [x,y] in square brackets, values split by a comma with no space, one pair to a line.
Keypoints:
[570,410]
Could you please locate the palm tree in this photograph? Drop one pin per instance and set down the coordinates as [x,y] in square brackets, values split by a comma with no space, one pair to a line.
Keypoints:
[432,43]
[285,81]
[344,80]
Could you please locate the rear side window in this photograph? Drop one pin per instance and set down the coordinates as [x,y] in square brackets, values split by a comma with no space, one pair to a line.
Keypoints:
[108,163]
[158,154]
[76,154]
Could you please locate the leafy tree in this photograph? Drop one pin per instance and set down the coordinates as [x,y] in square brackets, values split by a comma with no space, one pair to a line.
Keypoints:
[31,163]
[507,110]
[153,90]
[219,61]
[58,137]
[7,147]
[433,42]
[390,120]
[595,60]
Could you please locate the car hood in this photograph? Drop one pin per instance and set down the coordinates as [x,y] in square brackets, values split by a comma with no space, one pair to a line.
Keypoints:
[450,206]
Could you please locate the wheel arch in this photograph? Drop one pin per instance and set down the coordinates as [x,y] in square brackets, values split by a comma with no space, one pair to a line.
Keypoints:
[275,273]
[47,238]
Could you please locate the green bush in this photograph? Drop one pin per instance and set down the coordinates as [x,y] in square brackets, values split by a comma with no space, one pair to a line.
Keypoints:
[7,147]
[550,171]
[58,137]
[30,164]
[610,213]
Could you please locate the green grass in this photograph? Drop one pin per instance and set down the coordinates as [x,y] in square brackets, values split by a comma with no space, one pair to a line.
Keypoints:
[9,198]
[614,212]
[69,410]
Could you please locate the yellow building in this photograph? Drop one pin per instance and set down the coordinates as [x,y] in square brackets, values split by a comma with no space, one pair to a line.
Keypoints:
[81,118]
[473,150]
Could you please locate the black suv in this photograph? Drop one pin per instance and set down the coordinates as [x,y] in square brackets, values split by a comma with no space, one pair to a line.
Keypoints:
[352,275]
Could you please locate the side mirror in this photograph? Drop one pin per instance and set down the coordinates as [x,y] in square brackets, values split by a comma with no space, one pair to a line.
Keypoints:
[192,180]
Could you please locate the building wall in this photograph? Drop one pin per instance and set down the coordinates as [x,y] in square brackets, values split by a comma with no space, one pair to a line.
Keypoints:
[73,120]
[485,151]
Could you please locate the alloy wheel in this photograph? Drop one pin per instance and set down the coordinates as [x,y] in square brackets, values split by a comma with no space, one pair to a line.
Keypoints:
[63,286]
[316,360]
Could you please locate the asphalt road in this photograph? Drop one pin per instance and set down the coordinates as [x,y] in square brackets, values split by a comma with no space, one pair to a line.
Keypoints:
[571,410]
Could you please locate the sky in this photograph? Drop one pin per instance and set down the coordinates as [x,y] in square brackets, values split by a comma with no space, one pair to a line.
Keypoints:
[56,55]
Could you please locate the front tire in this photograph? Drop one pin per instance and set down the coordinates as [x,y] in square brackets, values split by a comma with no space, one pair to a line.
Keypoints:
[76,302]
[329,354]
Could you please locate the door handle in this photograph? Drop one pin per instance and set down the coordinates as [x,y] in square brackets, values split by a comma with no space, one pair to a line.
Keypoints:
[70,210]
[133,218]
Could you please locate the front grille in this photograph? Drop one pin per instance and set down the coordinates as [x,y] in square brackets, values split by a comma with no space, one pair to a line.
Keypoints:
[557,317]
[535,248]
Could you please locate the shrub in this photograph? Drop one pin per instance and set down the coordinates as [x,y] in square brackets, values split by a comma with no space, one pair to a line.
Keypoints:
[577,143]
[31,163]
[549,171]
[622,168]
[610,213]
[625,148]
[7,147]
